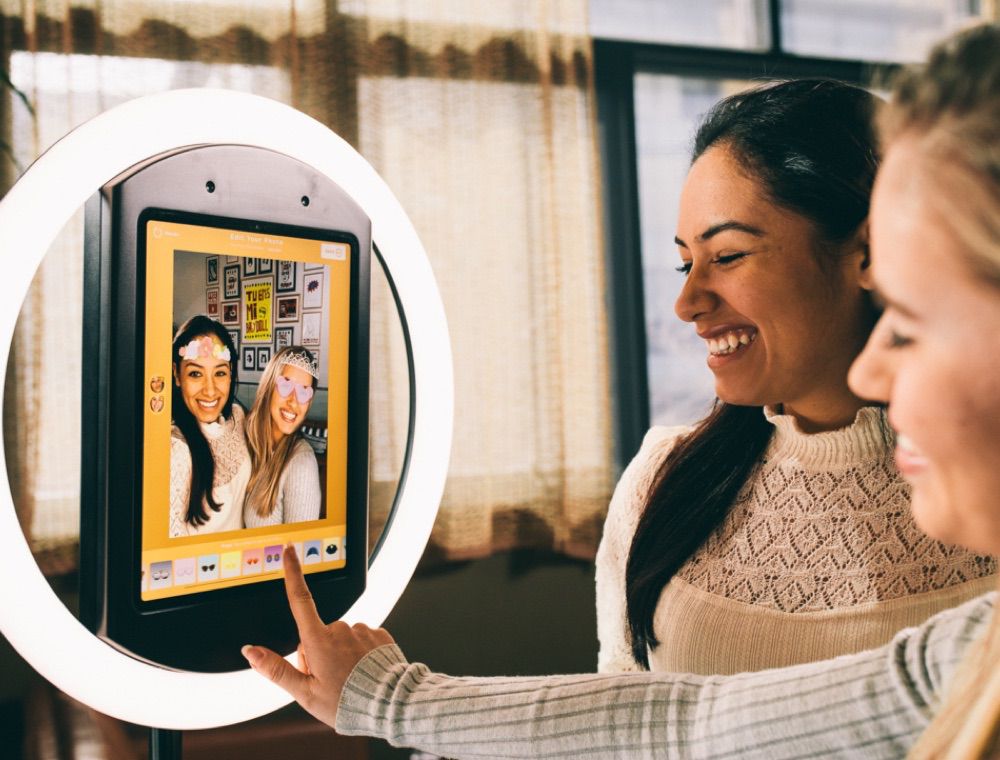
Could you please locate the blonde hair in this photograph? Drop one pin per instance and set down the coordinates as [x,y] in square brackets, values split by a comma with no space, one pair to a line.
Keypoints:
[267,458]
[951,108]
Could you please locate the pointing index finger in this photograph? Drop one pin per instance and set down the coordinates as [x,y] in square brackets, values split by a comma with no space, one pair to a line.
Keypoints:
[300,599]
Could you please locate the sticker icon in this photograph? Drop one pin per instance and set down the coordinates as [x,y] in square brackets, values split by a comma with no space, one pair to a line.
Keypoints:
[208,568]
[156,384]
[184,571]
[272,558]
[160,574]
[230,564]
[313,552]
[253,561]
[156,404]
[332,549]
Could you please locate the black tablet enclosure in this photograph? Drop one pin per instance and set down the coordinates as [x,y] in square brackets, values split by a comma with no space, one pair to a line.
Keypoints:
[277,255]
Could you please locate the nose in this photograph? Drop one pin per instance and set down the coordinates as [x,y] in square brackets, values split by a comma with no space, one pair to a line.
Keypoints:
[871,374]
[696,297]
[210,384]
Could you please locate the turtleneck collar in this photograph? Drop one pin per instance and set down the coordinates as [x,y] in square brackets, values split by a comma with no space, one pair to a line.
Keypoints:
[864,440]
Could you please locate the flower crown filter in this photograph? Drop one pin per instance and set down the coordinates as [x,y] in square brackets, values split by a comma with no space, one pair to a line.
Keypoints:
[204,348]
[302,360]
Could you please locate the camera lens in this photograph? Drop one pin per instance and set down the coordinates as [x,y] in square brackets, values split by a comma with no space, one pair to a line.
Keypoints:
[305,200]
[210,186]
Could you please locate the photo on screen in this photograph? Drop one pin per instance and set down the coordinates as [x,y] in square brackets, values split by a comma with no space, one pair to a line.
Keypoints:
[246,396]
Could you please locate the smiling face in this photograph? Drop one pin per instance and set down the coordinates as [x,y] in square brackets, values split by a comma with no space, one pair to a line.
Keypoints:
[205,381]
[935,354]
[289,412]
[780,325]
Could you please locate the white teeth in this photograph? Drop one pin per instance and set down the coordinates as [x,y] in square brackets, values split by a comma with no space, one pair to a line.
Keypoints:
[287,415]
[729,343]
[209,404]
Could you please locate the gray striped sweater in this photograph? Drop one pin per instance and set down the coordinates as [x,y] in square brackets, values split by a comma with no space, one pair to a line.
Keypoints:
[873,704]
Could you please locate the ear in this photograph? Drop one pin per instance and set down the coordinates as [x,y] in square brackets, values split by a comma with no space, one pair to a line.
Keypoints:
[177,379]
[860,255]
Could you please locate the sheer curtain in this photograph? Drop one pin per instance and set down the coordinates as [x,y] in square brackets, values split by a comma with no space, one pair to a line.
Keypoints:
[479,115]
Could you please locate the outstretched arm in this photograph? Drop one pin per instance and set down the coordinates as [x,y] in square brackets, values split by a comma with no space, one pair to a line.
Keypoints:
[873,704]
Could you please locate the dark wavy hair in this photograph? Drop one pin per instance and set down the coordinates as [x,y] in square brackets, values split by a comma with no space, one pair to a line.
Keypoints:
[202,463]
[811,146]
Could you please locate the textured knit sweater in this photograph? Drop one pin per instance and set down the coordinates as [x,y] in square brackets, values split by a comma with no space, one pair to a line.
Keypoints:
[232,472]
[870,705]
[298,491]
[818,557]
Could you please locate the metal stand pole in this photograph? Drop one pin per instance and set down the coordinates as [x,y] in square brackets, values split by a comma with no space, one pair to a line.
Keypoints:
[164,744]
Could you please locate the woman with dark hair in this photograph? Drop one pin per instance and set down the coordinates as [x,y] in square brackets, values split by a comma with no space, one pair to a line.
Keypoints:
[284,486]
[209,461]
[776,531]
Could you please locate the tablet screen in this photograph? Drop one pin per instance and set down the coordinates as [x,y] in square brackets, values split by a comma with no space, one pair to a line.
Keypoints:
[245,400]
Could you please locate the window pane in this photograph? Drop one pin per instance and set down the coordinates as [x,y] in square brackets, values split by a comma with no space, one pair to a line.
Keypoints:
[738,24]
[667,111]
[874,30]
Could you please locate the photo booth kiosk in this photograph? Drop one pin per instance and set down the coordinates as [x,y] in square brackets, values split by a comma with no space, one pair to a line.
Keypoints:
[244,211]
[275,255]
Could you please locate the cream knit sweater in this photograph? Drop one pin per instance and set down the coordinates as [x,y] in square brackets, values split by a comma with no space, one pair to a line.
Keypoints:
[818,557]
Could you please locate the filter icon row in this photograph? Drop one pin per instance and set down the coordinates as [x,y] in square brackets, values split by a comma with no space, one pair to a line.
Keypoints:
[208,568]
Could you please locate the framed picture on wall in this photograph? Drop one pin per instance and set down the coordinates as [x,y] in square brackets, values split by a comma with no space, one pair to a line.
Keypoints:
[312,266]
[265,266]
[263,357]
[230,313]
[234,336]
[312,290]
[286,277]
[249,363]
[311,325]
[231,281]
[287,309]
[283,337]
[249,266]
[212,270]
[232,259]
[212,302]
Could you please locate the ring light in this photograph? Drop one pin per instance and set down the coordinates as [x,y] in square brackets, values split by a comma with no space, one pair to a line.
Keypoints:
[33,618]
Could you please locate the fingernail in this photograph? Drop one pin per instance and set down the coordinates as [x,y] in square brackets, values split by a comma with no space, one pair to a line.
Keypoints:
[252,655]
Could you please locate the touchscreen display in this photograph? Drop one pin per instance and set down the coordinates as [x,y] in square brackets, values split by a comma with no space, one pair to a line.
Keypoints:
[245,402]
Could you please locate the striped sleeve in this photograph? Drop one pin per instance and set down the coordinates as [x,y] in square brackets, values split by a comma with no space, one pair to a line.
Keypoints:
[872,704]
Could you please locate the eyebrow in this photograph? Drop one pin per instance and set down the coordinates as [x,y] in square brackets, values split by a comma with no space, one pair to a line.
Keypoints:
[715,229]
[882,301]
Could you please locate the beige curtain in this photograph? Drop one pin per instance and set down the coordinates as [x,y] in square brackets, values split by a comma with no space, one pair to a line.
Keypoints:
[479,115]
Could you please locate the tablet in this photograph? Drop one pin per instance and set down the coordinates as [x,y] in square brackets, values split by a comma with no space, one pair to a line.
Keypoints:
[225,404]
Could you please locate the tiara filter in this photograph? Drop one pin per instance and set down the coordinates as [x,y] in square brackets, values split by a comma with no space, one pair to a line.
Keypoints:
[303,360]
[204,348]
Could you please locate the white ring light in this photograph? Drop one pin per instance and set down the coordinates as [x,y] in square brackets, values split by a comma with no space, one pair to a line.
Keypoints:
[32,617]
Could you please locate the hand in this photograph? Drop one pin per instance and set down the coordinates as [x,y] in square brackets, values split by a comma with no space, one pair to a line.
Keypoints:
[327,653]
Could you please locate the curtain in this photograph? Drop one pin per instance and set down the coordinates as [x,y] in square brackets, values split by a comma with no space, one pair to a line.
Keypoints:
[479,115]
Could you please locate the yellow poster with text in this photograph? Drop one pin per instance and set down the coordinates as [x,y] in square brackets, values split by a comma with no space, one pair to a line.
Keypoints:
[257,311]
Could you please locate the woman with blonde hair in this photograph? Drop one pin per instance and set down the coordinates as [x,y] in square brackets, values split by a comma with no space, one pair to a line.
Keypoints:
[934,357]
[284,482]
